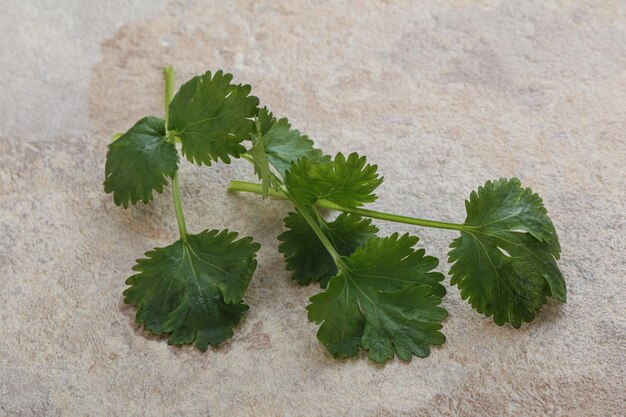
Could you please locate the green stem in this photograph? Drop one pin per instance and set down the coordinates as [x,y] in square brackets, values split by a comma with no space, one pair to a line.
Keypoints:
[248,158]
[313,224]
[178,206]
[285,195]
[250,187]
[392,217]
[168,73]
[256,188]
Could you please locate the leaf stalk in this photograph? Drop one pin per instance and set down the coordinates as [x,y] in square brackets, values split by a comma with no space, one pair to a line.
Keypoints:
[249,187]
[168,74]
[314,226]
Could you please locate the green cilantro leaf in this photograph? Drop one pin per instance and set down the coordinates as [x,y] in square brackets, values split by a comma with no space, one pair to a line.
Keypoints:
[305,254]
[264,120]
[385,299]
[261,166]
[193,289]
[284,145]
[505,259]
[348,182]
[276,144]
[139,161]
[212,117]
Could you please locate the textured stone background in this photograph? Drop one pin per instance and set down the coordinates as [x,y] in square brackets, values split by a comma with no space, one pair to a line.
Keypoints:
[441,95]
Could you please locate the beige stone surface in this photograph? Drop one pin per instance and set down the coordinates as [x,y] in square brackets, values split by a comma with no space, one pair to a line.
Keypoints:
[442,95]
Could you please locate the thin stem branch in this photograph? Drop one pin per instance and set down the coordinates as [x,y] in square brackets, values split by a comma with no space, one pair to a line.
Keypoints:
[390,217]
[314,226]
[250,187]
[256,189]
[168,73]
[284,194]
[178,206]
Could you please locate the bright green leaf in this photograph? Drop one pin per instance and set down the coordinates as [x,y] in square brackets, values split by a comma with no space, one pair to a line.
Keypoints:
[347,182]
[212,117]
[385,299]
[264,120]
[139,162]
[505,259]
[193,290]
[276,144]
[261,166]
[284,145]
[305,254]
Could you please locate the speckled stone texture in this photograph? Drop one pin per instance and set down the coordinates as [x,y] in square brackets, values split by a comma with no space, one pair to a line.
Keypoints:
[441,95]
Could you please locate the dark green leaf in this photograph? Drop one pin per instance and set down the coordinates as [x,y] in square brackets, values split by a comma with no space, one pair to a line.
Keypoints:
[139,161]
[306,256]
[505,259]
[212,117]
[385,299]
[348,182]
[193,290]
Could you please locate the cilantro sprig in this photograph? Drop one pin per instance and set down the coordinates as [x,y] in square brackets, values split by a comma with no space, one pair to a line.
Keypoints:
[379,294]
[193,289]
